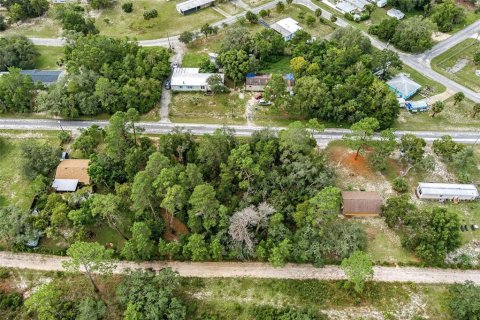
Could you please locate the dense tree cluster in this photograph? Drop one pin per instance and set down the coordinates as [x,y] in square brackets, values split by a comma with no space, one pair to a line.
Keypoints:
[335,82]
[17,51]
[23,9]
[17,92]
[106,75]
[458,155]
[74,18]
[431,233]
[464,301]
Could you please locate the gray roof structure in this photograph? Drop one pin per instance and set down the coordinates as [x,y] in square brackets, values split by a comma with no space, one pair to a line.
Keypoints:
[286,27]
[65,185]
[450,189]
[403,85]
[191,4]
[44,76]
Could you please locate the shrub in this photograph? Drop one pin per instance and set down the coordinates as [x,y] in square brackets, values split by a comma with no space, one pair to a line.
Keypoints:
[150,14]
[348,16]
[64,137]
[333,18]
[127,7]
[10,301]
[400,184]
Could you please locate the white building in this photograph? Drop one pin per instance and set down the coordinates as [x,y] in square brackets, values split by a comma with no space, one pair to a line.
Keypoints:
[381,3]
[193,5]
[446,191]
[286,27]
[395,13]
[345,7]
[190,79]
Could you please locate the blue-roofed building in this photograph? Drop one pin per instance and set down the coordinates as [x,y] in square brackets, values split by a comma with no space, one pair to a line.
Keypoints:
[403,86]
[46,77]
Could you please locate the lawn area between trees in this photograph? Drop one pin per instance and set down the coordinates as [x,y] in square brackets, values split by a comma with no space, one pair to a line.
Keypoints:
[168,22]
[457,64]
[48,57]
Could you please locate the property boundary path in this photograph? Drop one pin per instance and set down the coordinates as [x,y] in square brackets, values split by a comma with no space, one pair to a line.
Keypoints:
[252,270]
[467,137]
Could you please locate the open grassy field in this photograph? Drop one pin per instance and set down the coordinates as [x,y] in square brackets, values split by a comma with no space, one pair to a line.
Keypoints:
[42,27]
[193,59]
[201,108]
[229,7]
[168,22]
[453,117]
[48,57]
[281,66]
[460,55]
[13,185]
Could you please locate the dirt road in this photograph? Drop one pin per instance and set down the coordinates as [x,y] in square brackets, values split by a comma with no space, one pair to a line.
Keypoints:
[254,270]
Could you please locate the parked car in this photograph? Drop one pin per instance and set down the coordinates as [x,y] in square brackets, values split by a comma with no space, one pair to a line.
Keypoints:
[264,102]
[168,85]
[175,64]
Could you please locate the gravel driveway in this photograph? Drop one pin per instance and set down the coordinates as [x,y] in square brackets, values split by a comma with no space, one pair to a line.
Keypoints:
[253,270]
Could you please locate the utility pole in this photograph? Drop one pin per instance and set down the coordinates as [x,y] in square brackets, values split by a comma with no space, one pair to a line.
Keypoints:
[60,124]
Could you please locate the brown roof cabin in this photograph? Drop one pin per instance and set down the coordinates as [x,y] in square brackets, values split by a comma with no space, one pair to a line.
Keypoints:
[361,204]
[70,173]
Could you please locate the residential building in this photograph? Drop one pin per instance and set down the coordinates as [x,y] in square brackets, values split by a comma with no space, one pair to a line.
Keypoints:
[381,3]
[70,174]
[193,5]
[46,77]
[403,86]
[286,27]
[395,13]
[361,204]
[190,79]
[446,191]
[257,82]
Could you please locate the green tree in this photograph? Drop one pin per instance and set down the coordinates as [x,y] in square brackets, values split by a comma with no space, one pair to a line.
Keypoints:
[38,158]
[268,45]
[476,110]
[263,13]
[358,268]
[361,135]
[385,63]
[280,253]
[44,302]
[446,147]
[413,148]
[383,148]
[437,107]
[251,17]
[280,7]
[108,208]
[215,83]
[276,90]
[458,98]
[447,14]
[90,309]
[90,257]
[397,209]
[413,35]
[140,246]
[196,248]
[118,138]
[174,200]
[204,208]
[17,51]
[318,12]
[15,226]
[386,29]
[310,21]
[127,7]
[186,37]
[16,92]
[89,140]
[207,29]
[236,64]
[464,301]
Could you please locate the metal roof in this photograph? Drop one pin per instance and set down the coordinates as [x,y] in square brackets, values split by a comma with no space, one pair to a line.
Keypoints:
[191,77]
[192,4]
[404,85]
[65,185]
[450,189]
[286,27]
[395,13]
[345,6]
[44,76]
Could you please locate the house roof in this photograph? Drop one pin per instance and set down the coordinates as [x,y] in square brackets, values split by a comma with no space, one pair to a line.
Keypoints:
[65,185]
[361,202]
[286,27]
[73,169]
[395,13]
[404,85]
[192,4]
[191,77]
[360,4]
[450,189]
[257,79]
[345,6]
[44,76]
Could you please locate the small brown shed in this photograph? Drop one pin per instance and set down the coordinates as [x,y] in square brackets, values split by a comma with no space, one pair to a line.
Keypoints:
[361,204]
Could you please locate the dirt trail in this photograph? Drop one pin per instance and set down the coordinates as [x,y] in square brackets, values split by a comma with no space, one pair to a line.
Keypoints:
[253,269]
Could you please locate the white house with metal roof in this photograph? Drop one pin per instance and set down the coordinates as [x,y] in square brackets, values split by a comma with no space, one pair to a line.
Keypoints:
[193,5]
[446,191]
[286,27]
[190,79]
[395,13]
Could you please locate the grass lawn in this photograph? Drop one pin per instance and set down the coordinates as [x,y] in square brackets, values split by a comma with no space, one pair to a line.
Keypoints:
[465,76]
[451,118]
[168,22]
[470,17]
[13,185]
[42,27]
[281,66]
[229,7]
[193,59]
[256,3]
[198,107]
[48,57]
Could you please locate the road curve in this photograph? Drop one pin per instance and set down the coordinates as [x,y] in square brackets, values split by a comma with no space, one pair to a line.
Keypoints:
[467,137]
[252,270]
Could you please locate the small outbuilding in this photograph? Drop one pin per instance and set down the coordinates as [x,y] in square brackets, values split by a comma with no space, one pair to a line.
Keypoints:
[446,191]
[286,27]
[395,13]
[193,5]
[191,79]
[257,82]
[403,86]
[345,7]
[417,106]
[70,174]
[361,204]
[381,3]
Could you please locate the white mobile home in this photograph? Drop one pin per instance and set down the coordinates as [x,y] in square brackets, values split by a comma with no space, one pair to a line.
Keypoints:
[190,79]
[446,191]
[193,5]
[286,27]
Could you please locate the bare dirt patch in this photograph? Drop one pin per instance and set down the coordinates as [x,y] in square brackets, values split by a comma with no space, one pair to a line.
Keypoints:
[459,65]
[173,227]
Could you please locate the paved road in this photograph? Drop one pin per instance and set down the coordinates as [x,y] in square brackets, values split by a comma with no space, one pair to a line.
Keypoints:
[253,270]
[467,137]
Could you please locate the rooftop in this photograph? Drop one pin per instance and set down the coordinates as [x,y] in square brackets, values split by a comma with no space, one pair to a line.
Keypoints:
[190,77]
[65,185]
[73,169]
[360,195]
[286,26]
[403,84]
[452,189]
[192,4]
[44,76]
